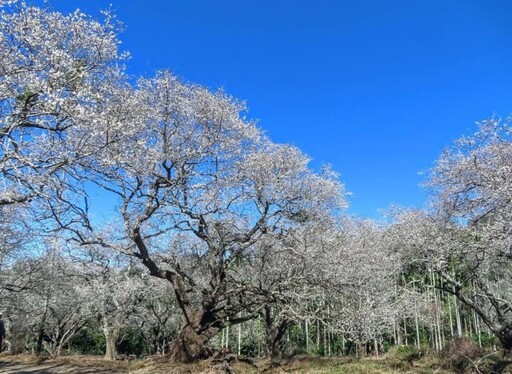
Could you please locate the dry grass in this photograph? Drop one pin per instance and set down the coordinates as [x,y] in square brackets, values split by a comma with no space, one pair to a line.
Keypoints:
[346,365]
[300,365]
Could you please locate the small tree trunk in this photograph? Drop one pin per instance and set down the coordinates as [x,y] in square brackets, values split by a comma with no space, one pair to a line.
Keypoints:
[405,332]
[307,334]
[317,335]
[259,336]
[227,336]
[457,315]
[398,334]
[40,335]
[239,339]
[324,350]
[450,317]
[39,346]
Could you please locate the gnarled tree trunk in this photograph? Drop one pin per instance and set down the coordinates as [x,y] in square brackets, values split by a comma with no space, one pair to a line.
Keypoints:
[498,318]
[202,320]
[192,342]
[189,346]
[505,337]
[275,331]
[111,336]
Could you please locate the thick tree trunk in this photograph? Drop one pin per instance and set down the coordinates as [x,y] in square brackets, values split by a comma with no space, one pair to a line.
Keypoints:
[204,321]
[57,352]
[111,340]
[275,342]
[189,346]
[275,332]
[360,349]
[505,337]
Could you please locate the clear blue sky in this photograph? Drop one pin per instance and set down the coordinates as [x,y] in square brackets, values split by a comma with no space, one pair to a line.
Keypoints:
[376,88]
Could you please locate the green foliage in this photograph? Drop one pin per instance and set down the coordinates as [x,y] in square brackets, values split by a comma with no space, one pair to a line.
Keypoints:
[298,338]
[88,340]
[337,347]
[319,350]
[249,349]
[386,345]
[488,340]
[300,351]
[401,351]
[132,343]
[25,96]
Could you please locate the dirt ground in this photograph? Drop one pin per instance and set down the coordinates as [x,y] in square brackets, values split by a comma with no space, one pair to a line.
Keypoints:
[25,364]
[48,368]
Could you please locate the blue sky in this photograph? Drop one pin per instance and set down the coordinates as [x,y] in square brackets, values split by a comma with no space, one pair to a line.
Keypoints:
[375,88]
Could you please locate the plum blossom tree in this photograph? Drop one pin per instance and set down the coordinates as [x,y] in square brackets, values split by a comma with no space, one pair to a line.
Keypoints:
[194,185]
[363,272]
[197,187]
[51,308]
[114,291]
[158,316]
[13,234]
[292,273]
[56,72]
[472,185]
[64,309]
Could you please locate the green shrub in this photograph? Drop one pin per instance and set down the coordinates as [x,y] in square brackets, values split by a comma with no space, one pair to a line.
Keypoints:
[88,341]
[401,351]
[132,343]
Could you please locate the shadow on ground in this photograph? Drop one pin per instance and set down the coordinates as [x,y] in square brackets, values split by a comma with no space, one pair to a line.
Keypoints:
[51,368]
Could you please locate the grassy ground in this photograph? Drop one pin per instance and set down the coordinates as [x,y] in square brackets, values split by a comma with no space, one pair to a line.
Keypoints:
[299,365]
[306,365]
[345,365]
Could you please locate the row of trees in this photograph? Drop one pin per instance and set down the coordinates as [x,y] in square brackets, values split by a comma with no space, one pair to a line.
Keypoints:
[337,292]
[157,209]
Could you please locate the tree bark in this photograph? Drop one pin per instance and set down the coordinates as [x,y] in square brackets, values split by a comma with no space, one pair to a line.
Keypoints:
[307,334]
[502,328]
[201,321]
[239,345]
[275,332]
[189,346]
[275,343]
[505,337]
[360,349]
[111,340]
[42,323]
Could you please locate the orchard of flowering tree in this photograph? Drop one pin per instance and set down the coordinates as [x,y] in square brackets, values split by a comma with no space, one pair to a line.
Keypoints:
[150,216]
